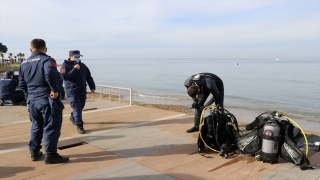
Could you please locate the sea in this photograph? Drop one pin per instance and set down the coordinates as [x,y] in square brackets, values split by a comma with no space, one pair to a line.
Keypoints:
[285,86]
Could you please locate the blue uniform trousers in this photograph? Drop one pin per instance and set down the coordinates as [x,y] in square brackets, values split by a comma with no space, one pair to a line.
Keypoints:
[77,103]
[46,124]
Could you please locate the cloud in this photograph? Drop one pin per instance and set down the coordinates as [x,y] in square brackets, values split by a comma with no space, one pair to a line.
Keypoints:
[180,28]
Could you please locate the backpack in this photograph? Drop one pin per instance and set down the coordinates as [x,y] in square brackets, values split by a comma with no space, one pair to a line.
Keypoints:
[218,132]
[289,150]
[250,143]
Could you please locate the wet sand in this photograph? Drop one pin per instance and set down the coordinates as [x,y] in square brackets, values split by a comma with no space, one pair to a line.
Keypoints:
[244,116]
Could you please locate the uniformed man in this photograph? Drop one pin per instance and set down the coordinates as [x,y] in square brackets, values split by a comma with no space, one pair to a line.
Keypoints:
[199,87]
[8,90]
[76,75]
[38,76]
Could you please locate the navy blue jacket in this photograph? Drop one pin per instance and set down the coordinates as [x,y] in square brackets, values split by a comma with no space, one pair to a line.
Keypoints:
[7,87]
[75,80]
[38,76]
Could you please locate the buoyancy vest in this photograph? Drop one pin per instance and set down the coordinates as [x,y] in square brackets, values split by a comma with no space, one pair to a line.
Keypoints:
[289,150]
[219,133]
[250,143]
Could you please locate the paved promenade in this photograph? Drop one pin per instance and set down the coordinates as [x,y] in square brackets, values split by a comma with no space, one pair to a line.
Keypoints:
[129,142]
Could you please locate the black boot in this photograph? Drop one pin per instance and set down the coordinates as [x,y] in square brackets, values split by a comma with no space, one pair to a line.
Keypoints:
[193,129]
[196,121]
[80,129]
[55,158]
[72,120]
[35,155]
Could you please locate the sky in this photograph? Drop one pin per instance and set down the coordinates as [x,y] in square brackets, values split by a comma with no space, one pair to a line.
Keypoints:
[263,29]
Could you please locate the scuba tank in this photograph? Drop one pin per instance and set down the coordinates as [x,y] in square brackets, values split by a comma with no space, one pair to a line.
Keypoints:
[270,141]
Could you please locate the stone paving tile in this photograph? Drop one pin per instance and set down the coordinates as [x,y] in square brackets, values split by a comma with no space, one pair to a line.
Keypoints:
[290,171]
[10,139]
[13,114]
[18,165]
[135,143]
[178,125]
[168,158]
[188,163]
[8,117]
[123,170]
[104,120]
[114,137]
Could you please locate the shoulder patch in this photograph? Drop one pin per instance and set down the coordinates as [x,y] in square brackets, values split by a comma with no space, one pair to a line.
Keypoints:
[63,70]
[53,63]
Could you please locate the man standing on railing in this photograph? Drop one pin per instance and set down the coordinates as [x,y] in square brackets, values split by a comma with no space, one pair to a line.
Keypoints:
[200,86]
[76,75]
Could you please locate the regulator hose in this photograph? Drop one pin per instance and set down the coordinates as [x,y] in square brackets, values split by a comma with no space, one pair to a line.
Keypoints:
[200,125]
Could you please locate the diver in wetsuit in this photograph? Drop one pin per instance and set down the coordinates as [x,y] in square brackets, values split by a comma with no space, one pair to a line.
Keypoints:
[199,87]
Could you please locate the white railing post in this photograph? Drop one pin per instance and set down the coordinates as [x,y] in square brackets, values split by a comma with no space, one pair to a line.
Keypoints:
[100,93]
[130,96]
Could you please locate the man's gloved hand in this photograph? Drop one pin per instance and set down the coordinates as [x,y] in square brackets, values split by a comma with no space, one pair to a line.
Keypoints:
[194,105]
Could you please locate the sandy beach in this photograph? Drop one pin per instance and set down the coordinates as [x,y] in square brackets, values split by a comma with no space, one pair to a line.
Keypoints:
[244,116]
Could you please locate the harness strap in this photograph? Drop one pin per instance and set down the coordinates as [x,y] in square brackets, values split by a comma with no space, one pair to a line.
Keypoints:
[277,138]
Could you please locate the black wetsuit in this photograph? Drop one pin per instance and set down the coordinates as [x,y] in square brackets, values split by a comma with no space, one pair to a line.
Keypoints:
[208,84]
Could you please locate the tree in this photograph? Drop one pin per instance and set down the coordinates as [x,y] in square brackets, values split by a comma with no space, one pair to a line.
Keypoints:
[3,48]
[20,55]
[10,55]
[2,60]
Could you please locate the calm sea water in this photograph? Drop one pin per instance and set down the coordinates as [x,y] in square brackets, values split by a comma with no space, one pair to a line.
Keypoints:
[288,87]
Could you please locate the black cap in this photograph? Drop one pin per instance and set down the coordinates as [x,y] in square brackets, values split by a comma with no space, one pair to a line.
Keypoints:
[75,53]
[9,73]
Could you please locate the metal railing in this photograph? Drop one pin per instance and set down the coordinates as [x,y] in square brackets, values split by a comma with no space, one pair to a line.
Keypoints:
[109,92]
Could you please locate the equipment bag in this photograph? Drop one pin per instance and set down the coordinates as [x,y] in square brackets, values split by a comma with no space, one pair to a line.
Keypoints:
[219,133]
[289,150]
[250,143]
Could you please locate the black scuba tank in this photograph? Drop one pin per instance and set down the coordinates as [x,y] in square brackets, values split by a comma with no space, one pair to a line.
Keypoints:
[270,142]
